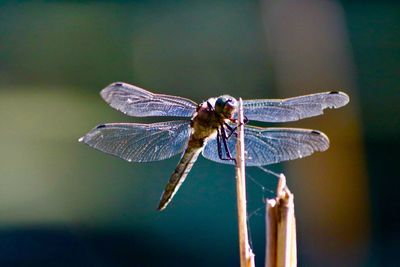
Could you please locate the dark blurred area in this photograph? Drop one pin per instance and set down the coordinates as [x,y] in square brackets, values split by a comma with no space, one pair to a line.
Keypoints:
[64,204]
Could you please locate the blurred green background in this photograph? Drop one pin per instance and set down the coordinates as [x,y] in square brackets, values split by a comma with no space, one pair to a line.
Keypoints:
[64,204]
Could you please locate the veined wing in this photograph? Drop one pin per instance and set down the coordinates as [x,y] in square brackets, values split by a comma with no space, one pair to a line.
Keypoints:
[140,142]
[294,108]
[271,145]
[137,102]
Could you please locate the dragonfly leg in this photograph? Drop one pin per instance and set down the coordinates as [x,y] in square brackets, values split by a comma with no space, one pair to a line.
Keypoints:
[235,121]
[245,120]
[221,140]
[232,130]
[210,107]
[224,138]
[219,147]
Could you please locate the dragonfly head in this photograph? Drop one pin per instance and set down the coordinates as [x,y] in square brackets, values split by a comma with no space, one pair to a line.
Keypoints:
[226,105]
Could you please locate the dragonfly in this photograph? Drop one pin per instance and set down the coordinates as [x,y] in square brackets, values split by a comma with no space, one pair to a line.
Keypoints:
[208,128]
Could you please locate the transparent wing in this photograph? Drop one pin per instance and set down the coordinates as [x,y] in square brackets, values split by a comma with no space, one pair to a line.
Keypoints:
[294,108]
[271,145]
[137,102]
[140,142]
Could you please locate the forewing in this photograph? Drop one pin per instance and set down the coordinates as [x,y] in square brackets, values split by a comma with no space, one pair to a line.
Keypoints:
[265,146]
[140,142]
[294,108]
[137,102]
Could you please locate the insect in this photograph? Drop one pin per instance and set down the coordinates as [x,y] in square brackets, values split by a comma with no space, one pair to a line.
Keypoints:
[207,128]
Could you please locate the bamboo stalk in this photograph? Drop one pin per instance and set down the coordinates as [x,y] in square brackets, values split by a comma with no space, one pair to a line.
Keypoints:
[246,254]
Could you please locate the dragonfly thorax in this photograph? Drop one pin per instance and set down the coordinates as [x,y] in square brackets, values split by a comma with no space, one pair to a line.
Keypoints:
[211,115]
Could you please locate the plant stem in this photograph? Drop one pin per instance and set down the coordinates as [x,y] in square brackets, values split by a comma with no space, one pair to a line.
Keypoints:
[281,248]
[246,254]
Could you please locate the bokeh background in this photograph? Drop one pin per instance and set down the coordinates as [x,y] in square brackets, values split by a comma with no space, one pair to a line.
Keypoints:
[64,204]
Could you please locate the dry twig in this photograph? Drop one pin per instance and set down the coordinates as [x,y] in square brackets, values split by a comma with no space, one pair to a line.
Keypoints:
[281,248]
[246,254]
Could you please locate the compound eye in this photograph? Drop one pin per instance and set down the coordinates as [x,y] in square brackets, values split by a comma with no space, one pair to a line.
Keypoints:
[230,103]
[230,107]
[219,104]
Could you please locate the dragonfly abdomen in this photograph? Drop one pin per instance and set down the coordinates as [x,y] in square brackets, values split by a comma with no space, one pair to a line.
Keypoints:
[184,166]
